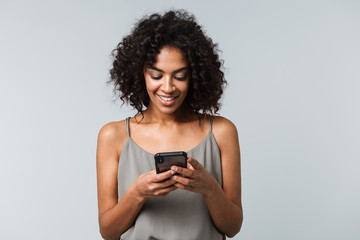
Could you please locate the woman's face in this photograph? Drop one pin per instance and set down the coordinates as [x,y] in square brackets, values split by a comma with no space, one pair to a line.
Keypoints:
[167,80]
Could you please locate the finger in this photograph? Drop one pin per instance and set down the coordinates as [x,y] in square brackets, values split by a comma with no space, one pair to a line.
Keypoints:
[189,166]
[194,163]
[184,171]
[162,195]
[182,180]
[162,176]
[164,184]
[181,186]
[164,191]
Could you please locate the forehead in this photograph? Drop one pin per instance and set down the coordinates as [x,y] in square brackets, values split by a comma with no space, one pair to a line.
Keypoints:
[170,58]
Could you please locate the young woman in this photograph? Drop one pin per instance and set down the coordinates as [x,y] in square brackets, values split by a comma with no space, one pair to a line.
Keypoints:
[169,71]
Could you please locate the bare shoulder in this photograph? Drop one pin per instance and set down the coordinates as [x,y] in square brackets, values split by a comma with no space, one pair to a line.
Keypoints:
[112,130]
[223,129]
[113,134]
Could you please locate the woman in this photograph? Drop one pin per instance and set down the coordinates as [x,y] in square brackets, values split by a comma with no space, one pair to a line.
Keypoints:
[169,71]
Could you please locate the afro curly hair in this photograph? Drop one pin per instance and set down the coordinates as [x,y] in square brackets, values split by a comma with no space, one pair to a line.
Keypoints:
[175,28]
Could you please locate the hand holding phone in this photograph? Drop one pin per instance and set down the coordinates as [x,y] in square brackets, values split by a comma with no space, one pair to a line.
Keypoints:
[164,160]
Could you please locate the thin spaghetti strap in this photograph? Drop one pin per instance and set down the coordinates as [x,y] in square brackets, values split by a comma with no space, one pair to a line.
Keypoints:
[127,126]
[210,123]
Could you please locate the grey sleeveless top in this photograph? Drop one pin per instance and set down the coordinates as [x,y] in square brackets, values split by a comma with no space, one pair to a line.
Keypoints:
[181,214]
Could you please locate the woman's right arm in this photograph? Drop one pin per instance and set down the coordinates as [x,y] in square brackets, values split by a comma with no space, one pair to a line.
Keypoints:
[116,217]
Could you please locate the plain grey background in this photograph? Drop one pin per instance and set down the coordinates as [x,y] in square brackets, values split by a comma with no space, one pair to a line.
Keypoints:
[293,73]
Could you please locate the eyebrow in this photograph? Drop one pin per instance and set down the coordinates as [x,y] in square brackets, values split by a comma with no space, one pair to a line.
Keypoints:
[176,71]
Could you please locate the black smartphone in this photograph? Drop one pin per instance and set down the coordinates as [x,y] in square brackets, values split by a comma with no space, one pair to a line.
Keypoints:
[164,160]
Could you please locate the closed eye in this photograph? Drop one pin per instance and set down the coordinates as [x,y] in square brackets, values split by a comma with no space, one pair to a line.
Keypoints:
[181,78]
[156,77]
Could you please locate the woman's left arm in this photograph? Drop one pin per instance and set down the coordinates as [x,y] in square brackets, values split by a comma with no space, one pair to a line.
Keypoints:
[224,203]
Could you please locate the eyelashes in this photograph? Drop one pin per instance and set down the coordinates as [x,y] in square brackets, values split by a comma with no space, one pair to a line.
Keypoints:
[180,78]
[156,78]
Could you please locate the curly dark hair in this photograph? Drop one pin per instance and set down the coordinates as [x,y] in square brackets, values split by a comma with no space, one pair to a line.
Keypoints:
[173,29]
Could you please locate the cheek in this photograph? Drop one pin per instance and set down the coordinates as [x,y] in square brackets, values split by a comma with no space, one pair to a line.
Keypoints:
[151,85]
[186,88]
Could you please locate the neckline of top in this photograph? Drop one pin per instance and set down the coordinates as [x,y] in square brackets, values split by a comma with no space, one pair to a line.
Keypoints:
[152,154]
[149,153]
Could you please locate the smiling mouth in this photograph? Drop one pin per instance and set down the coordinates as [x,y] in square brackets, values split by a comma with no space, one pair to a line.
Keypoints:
[167,98]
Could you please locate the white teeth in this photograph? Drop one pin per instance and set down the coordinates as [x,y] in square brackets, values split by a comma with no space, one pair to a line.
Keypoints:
[166,98]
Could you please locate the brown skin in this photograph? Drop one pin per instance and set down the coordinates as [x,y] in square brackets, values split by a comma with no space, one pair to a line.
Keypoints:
[164,123]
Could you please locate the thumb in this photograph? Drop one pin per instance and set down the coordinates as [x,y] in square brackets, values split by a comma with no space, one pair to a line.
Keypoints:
[194,163]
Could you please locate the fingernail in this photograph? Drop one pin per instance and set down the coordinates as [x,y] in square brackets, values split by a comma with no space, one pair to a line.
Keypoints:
[172,172]
[174,168]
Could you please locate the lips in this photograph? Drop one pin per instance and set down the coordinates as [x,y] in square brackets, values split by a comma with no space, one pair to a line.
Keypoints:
[167,100]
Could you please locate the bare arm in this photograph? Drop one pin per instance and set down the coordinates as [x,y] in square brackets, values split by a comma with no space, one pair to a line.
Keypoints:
[116,217]
[224,204]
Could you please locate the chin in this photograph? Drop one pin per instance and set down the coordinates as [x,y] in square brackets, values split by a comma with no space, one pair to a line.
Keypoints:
[168,110]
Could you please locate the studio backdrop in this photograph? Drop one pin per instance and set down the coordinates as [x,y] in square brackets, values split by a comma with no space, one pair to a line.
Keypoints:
[293,92]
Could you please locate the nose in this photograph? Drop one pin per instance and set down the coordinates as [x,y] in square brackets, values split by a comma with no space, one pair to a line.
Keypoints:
[168,85]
